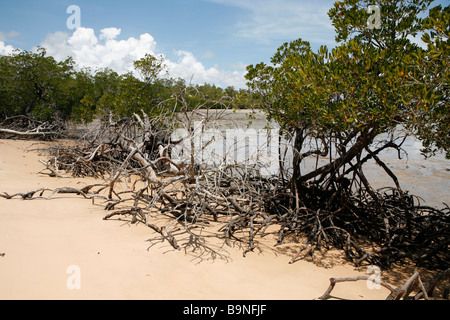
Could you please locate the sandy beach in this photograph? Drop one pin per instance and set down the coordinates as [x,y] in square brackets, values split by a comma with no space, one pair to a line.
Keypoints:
[49,243]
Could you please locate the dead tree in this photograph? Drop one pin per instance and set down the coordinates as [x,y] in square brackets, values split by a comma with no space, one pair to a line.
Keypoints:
[332,206]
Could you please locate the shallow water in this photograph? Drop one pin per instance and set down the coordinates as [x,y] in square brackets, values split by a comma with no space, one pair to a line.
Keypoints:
[426,178]
[234,140]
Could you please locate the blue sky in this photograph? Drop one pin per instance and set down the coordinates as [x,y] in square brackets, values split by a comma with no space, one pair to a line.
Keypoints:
[211,40]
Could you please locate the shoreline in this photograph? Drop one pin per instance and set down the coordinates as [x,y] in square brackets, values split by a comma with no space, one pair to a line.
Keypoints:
[45,241]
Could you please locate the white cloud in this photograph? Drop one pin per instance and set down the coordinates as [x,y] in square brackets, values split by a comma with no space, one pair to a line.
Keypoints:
[5,49]
[106,51]
[56,45]
[103,52]
[109,33]
[189,68]
[83,38]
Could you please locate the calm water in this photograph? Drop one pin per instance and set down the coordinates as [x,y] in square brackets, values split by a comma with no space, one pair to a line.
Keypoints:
[233,140]
[427,178]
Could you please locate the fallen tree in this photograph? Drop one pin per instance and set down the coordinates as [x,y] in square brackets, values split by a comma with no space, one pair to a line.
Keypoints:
[370,226]
[182,200]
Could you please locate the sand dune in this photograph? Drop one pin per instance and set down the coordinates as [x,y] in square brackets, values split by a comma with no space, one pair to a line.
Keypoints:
[62,249]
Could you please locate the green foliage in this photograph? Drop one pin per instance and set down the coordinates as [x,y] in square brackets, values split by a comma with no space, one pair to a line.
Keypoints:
[150,67]
[372,80]
[428,79]
[291,87]
[92,93]
[398,20]
[34,84]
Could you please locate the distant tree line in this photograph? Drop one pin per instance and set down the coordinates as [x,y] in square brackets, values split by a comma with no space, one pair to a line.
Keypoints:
[34,84]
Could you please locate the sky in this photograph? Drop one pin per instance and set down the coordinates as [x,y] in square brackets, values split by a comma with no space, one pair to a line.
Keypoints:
[202,41]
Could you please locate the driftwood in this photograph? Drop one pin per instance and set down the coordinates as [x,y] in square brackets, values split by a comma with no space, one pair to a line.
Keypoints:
[39,193]
[402,292]
[334,281]
[28,128]
[30,134]
[333,206]
[53,170]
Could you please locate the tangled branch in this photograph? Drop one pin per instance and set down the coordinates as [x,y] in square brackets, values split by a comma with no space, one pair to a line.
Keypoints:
[145,181]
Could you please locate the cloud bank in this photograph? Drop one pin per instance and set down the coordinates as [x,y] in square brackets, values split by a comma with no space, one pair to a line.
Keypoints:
[106,51]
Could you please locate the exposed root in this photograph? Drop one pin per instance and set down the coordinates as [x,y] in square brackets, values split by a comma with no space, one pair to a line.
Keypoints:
[338,210]
[400,293]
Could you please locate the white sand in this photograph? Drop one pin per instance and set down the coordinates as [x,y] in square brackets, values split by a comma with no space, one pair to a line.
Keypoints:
[41,239]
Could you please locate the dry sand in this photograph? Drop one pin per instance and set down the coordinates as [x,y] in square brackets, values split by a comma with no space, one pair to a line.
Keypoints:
[43,239]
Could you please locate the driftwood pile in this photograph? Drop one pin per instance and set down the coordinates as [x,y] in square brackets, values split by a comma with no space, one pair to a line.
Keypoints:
[243,204]
[25,127]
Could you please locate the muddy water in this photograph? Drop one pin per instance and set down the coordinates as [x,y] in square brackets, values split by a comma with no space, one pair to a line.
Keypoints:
[232,139]
[426,178]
